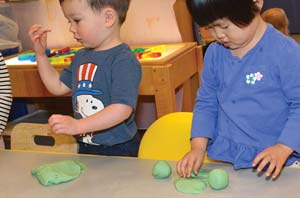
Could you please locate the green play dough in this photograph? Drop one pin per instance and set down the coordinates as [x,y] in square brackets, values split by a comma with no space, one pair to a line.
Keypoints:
[218,179]
[58,172]
[190,185]
[161,170]
[202,174]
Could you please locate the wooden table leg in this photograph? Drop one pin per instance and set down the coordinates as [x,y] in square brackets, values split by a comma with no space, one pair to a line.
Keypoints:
[190,88]
[165,98]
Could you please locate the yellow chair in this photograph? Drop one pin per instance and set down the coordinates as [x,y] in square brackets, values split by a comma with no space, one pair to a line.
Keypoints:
[168,138]
[39,137]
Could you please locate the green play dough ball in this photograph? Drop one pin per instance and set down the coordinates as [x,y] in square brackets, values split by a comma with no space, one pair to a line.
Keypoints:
[161,170]
[218,179]
[190,185]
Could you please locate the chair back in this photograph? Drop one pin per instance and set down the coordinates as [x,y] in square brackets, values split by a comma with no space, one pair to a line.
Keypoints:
[168,138]
[39,137]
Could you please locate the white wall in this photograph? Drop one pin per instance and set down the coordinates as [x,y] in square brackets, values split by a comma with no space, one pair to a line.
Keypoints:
[148,21]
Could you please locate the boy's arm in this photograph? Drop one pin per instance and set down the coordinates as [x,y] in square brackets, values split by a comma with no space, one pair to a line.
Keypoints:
[50,76]
[108,117]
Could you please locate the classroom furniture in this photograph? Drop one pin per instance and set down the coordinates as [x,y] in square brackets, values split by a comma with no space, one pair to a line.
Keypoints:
[38,116]
[179,67]
[168,138]
[129,178]
[39,137]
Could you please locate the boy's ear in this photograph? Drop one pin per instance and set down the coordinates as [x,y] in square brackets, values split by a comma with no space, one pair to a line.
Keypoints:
[110,16]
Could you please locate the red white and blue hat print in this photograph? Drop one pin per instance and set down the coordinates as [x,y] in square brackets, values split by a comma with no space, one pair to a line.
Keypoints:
[85,77]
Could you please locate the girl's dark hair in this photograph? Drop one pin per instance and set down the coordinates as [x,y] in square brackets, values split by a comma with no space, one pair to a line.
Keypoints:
[120,6]
[239,12]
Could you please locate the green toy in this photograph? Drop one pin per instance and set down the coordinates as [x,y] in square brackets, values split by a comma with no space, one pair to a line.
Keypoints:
[58,172]
[161,170]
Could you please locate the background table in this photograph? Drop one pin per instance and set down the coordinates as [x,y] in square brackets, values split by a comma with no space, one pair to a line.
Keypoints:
[112,177]
[178,66]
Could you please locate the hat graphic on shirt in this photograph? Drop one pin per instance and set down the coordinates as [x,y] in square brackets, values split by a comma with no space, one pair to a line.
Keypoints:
[85,76]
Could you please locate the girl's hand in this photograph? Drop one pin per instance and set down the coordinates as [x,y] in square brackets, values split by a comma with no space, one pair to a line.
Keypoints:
[38,36]
[61,124]
[275,156]
[192,161]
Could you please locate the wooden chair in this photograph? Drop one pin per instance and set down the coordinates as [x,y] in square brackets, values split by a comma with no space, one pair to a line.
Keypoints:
[39,137]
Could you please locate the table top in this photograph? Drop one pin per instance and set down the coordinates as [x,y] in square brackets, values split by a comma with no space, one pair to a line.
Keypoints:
[129,177]
[170,52]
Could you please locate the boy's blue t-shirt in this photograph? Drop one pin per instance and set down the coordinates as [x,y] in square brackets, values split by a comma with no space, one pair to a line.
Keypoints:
[247,104]
[101,78]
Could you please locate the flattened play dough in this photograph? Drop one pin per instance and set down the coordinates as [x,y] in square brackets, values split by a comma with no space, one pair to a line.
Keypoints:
[190,185]
[218,179]
[58,172]
[202,174]
[161,170]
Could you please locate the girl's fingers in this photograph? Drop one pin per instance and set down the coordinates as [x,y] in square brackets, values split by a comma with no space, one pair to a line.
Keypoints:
[183,168]
[257,159]
[271,168]
[197,166]
[189,168]
[276,172]
[263,163]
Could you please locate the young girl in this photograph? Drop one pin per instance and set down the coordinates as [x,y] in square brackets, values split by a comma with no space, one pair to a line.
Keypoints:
[247,110]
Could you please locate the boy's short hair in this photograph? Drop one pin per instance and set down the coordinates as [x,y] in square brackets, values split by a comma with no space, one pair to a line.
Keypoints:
[120,6]
[239,12]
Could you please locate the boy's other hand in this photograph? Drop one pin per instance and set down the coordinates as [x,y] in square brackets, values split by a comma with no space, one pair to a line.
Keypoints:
[62,124]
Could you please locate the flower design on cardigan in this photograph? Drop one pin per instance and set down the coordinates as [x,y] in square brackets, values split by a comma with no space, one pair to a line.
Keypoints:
[258,76]
[252,78]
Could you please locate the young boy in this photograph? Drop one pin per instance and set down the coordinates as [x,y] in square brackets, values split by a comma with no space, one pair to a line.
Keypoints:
[103,77]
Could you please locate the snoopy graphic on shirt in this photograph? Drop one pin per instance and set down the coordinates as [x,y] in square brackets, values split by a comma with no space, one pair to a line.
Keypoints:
[86,102]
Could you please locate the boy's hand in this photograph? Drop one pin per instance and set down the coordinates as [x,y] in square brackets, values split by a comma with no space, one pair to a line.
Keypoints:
[191,162]
[62,124]
[38,37]
[275,156]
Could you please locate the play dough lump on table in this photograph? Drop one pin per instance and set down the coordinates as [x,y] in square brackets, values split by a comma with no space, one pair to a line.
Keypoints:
[161,170]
